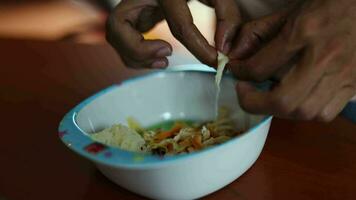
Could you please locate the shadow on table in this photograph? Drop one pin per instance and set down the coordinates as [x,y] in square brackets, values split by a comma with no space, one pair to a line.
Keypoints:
[100,187]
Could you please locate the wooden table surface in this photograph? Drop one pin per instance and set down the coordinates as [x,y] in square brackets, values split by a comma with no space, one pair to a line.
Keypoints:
[41,81]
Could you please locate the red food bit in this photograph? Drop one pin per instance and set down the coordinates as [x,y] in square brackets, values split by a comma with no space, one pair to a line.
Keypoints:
[95,148]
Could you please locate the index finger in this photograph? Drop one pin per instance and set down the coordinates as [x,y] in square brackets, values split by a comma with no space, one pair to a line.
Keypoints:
[283,99]
[228,22]
[180,22]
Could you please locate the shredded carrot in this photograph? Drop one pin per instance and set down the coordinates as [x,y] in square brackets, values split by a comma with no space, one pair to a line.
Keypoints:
[167,134]
[196,141]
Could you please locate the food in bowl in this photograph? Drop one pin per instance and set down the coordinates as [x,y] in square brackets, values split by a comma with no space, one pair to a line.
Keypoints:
[171,137]
[181,136]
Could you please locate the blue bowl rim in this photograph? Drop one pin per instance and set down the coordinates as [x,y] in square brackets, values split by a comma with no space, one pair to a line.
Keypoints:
[77,140]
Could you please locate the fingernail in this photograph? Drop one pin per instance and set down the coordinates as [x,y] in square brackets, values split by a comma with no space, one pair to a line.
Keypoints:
[159,64]
[163,52]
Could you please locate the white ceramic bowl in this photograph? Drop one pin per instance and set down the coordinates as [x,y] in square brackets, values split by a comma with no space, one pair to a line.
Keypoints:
[151,99]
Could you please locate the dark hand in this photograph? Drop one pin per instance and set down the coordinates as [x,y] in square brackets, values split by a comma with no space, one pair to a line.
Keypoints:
[322,36]
[132,17]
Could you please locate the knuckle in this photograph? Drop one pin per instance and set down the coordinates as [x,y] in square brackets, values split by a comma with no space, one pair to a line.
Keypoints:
[281,104]
[181,30]
[264,25]
[229,24]
[244,104]
[263,28]
[248,27]
[112,26]
[233,24]
[326,117]
[250,43]
[254,39]
[252,30]
[304,113]
[310,25]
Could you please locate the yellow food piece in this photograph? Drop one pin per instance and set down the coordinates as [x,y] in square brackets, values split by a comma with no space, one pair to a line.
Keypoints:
[121,136]
[222,61]
[134,125]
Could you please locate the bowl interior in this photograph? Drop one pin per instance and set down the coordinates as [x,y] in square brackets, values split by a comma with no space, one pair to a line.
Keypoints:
[164,96]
